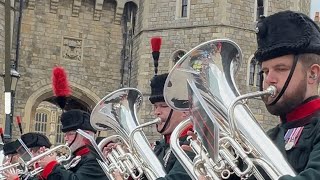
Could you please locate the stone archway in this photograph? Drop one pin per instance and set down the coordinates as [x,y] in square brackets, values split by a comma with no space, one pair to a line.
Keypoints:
[45,92]
[120,7]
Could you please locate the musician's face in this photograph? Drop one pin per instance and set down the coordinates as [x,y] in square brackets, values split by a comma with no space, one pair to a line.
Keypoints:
[69,136]
[74,140]
[162,110]
[276,72]
[11,159]
[35,151]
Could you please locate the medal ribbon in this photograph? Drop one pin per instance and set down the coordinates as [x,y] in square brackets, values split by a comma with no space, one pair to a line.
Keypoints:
[292,136]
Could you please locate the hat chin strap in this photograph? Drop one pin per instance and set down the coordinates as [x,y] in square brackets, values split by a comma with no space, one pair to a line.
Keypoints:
[166,124]
[74,139]
[295,61]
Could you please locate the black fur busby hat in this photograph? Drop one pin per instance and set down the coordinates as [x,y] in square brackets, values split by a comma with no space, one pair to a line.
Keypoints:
[157,85]
[35,140]
[285,33]
[10,148]
[76,119]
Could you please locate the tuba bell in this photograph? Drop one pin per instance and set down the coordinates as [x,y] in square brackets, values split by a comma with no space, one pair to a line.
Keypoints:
[118,111]
[227,130]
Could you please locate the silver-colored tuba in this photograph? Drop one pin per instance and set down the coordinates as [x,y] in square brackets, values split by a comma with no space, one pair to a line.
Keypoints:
[118,111]
[231,140]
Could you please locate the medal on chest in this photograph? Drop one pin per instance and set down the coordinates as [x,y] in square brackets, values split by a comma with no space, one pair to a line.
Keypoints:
[291,137]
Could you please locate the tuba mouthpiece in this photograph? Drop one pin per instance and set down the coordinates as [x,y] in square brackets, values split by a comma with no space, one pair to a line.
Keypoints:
[157,120]
[272,90]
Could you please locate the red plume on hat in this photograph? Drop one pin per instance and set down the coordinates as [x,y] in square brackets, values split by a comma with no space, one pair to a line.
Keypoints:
[18,118]
[1,134]
[156,45]
[60,86]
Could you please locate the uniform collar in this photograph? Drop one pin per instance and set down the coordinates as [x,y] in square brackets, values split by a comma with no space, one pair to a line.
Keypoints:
[307,108]
[81,151]
[183,134]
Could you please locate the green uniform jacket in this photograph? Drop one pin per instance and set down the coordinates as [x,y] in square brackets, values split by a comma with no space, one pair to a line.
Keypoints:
[305,156]
[173,167]
[87,169]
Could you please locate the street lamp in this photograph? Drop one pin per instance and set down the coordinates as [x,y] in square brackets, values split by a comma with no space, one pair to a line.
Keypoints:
[9,102]
[14,79]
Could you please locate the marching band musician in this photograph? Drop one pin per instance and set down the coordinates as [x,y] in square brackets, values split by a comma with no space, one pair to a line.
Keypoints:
[169,120]
[11,157]
[34,141]
[289,52]
[10,153]
[84,165]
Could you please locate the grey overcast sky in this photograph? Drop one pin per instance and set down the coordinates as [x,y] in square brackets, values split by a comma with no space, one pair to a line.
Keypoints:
[315,6]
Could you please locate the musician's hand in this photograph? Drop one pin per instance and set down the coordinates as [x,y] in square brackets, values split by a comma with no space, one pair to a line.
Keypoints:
[106,150]
[202,177]
[117,176]
[111,146]
[47,159]
[11,174]
[193,137]
[6,162]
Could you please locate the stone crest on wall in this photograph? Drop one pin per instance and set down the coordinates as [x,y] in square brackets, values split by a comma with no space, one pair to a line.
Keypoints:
[72,48]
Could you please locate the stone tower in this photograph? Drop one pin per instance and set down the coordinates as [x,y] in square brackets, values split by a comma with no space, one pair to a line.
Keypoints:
[105,45]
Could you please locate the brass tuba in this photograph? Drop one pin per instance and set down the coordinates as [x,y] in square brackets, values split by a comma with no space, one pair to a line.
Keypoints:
[229,136]
[118,111]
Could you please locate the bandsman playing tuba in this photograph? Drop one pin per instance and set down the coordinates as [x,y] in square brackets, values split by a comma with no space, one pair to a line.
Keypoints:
[169,120]
[289,52]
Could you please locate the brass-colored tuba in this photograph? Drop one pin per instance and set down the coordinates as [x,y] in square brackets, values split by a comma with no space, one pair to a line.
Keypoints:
[231,140]
[118,111]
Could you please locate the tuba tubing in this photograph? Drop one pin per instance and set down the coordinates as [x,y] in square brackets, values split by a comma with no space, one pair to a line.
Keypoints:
[181,155]
[120,159]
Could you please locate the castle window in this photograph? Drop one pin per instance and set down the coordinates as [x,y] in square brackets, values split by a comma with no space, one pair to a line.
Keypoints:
[182,9]
[177,56]
[258,67]
[60,135]
[254,70]
[41,123]
[261,8]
